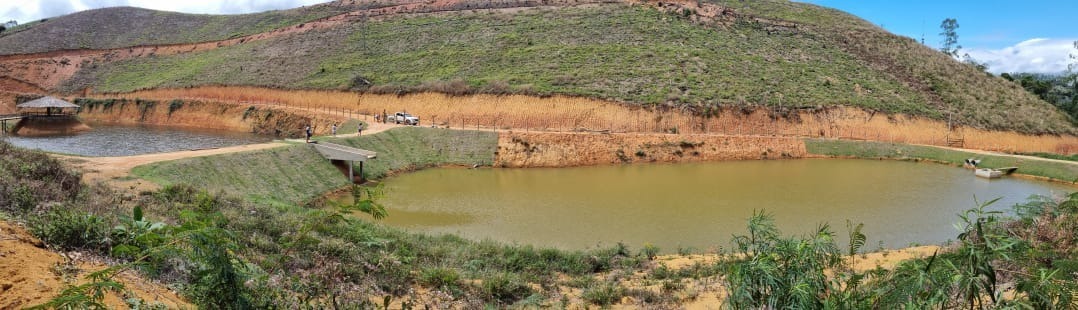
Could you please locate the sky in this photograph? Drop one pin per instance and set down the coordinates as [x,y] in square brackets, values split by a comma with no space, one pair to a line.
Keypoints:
[1010,36]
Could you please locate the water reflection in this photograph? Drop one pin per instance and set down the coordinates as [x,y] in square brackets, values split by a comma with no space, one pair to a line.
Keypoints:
[112,140]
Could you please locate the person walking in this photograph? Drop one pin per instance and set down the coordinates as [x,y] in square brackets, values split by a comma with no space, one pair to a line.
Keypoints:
[307,130]
[359,129]
[334,130]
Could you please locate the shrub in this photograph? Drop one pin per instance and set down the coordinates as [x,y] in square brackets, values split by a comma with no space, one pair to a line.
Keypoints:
[649,251]
[31,178]
[440,278]
[604,294]
[70,229]
[505,288]
[777,272]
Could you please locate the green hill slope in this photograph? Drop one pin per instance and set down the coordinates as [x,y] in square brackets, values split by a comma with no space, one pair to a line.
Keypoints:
[127,26]
[776,54]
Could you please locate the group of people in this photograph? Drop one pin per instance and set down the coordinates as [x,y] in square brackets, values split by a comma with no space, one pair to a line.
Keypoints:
[309,131]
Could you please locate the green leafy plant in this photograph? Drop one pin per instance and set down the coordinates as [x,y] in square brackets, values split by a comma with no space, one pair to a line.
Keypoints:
[71,229]
[136,234]
[776,272]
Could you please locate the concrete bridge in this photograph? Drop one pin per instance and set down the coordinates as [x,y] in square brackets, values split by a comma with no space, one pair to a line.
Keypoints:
[344,157]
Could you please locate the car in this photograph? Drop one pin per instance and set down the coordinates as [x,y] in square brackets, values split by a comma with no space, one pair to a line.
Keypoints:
[404,118]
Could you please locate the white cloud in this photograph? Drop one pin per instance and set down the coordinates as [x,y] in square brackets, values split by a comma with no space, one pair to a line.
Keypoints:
[1037,55]
[25,11]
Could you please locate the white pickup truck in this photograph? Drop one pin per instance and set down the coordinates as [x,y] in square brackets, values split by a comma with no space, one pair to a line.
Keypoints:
[404,118]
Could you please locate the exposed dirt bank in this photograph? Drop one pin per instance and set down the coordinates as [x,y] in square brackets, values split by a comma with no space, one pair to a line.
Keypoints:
[31,275]
[206,115]
[544,149]
[7,102]
[559,113]
[49,127]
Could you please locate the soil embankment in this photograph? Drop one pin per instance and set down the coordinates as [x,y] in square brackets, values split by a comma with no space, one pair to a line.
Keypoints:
[49,127]
[560,113]
[548,149]
[31,275]
[205,115]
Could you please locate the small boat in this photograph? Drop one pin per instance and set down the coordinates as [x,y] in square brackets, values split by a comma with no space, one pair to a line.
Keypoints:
[989,173]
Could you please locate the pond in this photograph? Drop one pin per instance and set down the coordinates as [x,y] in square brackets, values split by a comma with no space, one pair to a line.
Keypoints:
[699,205]
[113,140]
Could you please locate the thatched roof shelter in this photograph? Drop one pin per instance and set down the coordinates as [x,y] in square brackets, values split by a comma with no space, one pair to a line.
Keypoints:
[52,106]
[46,102]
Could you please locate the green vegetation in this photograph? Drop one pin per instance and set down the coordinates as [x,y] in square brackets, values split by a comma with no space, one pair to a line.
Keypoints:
[797,56]
[1030,256]
[128,26]
[411,148]
[1059,90]
[228,253]
[296,174]
[1053,156]
[286,175]
[863,149]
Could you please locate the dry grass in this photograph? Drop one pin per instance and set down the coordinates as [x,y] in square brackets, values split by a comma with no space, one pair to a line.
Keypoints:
[559,113]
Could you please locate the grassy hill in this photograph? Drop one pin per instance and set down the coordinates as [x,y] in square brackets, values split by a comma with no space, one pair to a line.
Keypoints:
[777,54]
[127,26]
[296,174]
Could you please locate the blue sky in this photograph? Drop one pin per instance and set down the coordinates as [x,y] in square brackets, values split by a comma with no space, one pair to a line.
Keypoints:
[1027,36]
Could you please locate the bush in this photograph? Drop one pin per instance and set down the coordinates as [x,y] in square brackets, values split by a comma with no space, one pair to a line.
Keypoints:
[604,294]
[32,178]
[440,278]
[778,272]
[71,229]
[505,288]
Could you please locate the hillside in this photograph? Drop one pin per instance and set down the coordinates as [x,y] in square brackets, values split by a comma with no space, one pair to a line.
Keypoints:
[128,26]
[695,56]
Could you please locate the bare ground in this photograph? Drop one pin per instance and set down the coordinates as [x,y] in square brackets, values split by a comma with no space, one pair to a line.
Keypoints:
[32,275]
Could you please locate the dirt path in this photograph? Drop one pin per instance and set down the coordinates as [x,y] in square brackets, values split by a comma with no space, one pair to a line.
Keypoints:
[116,171]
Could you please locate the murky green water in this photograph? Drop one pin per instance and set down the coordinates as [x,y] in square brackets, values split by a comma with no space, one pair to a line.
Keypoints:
[695,205]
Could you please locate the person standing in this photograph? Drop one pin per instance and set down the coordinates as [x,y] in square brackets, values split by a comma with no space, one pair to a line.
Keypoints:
[359,129]
[334,130]
[307,130]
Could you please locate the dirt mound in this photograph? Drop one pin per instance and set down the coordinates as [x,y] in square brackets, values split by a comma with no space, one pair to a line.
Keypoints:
[48,127]
[32,275]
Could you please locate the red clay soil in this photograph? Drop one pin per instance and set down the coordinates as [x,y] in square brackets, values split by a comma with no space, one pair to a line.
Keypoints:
[49,127]
[19,86]
[31,275]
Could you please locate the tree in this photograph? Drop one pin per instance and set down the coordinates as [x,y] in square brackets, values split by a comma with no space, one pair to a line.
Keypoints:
[949,31]
[1074,59]
[8,25]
